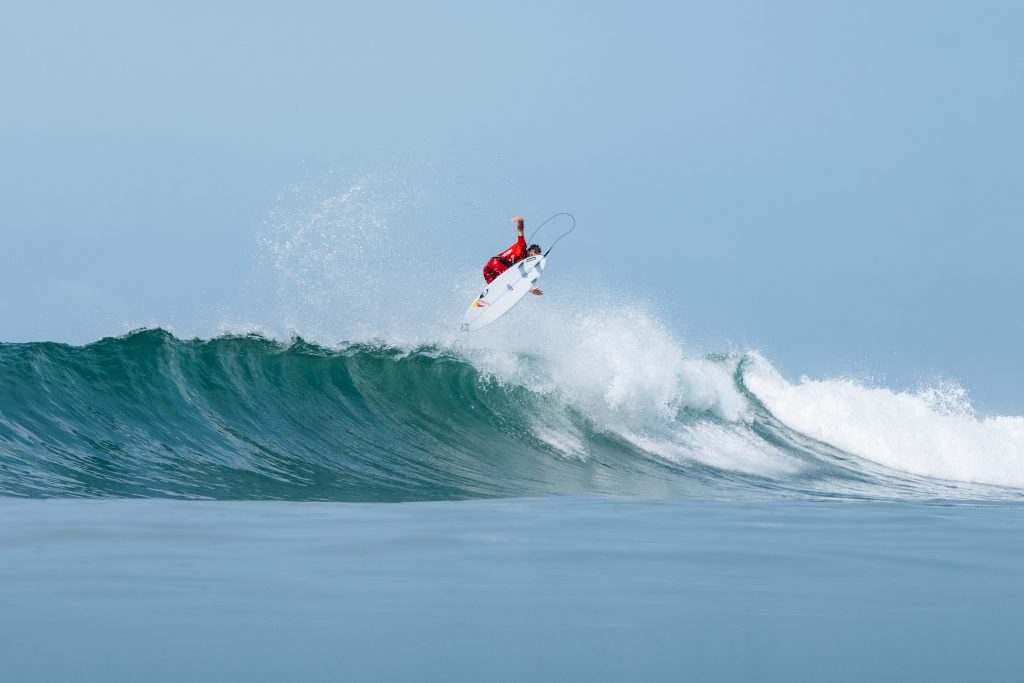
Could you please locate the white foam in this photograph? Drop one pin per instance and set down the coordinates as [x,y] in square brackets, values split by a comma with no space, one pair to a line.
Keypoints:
[725,446]
[932,433]
[630,377]
[618,365]
[564,440]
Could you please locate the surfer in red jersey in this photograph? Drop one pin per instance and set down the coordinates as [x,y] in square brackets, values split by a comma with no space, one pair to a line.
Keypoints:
[514,254]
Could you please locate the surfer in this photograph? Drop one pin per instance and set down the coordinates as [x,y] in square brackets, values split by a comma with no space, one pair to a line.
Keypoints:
[511,256]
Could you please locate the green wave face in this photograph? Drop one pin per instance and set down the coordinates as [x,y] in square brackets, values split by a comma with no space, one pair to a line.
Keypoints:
[149,415]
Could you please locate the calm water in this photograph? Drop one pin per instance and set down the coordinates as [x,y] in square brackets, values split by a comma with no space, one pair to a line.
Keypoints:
[552,589]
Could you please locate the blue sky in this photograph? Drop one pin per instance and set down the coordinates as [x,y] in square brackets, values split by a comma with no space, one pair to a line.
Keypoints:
[836,184]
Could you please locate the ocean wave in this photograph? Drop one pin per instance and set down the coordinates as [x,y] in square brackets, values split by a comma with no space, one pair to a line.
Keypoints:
[616,409]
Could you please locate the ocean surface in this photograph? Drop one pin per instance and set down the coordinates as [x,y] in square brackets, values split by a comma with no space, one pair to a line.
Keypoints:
[601,506]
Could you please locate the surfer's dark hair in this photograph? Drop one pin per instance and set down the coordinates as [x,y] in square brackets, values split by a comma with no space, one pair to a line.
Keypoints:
[535,246]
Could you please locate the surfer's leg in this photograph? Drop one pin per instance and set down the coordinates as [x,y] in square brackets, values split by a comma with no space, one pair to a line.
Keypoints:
[493,269]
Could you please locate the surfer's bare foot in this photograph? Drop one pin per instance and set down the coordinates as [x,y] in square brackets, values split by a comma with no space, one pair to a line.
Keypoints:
[536,291]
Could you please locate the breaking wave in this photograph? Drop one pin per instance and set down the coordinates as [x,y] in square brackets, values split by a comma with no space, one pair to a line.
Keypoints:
[616,408]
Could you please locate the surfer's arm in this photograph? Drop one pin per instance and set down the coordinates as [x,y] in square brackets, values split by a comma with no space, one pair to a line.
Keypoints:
[519,248]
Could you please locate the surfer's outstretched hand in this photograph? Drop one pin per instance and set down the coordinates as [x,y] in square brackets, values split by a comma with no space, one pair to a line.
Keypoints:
[536,291]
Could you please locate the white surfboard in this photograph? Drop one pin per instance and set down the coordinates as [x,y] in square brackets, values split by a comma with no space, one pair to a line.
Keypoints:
[505,292]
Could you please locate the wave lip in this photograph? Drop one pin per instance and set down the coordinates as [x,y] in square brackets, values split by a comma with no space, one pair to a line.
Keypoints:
[623,411]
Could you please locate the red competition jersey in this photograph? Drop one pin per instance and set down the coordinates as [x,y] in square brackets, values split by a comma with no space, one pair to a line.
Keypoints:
[514,254]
